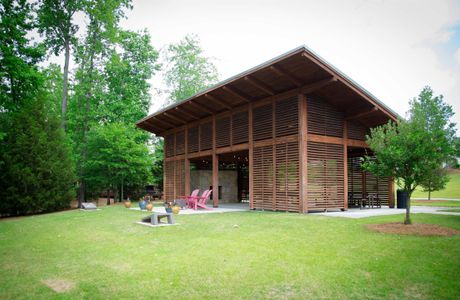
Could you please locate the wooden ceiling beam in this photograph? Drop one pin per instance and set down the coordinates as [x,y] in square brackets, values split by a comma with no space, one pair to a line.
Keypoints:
[362,113]
[235,92]
[187,112]
[161,126]
[163,121]
[172,117]
[311,87]
[281,72]
[149,127]
[218,100]
[201,107]
[260,85]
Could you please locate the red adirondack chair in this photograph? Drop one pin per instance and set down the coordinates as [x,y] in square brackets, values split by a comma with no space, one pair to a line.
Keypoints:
[192,196]
[200,201]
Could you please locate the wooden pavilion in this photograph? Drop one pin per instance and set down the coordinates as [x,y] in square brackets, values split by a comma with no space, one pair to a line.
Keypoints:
[297,124]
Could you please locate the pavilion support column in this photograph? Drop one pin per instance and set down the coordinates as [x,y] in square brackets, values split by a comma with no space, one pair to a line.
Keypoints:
[186,164]
[391,192]
[303,133]
[345,165]
[251,158]
[215,167]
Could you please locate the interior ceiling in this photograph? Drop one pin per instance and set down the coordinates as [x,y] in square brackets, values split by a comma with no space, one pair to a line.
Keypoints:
[297,69]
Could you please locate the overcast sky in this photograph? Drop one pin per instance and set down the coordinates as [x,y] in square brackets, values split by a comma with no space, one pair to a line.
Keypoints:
[391,48]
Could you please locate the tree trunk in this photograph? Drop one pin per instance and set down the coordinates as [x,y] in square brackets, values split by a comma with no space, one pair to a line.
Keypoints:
[65,82]
[108,197]
[407,220]
[429,195]
[81,193]
[121,198]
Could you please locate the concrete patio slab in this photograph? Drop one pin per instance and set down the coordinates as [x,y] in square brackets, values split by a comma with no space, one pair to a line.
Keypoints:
[356,213]
[223,208]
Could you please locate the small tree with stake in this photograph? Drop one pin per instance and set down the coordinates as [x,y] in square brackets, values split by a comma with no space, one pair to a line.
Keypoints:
[414,150]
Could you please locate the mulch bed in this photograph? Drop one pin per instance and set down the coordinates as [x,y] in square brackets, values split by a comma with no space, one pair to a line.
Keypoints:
[414,229]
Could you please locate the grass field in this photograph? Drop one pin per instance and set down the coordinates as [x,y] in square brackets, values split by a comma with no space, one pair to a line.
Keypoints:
[452,189]
[442,203]
[268,255]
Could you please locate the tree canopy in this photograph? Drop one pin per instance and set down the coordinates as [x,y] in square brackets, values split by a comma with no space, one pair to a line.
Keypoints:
[188,70]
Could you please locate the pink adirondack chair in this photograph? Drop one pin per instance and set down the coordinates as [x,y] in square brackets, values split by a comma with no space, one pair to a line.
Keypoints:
[192,196]
[203,199]
[200,201]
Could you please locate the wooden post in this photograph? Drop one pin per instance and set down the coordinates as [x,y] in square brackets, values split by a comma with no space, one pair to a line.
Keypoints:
[274,157]
[391,192]
[164,172]
[215,167]
[186,164]
[251,158]
[174,170]
[345,165]
[303,152]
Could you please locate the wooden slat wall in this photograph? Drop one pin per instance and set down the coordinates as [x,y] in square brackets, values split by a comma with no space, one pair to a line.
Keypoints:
[323,118]
[287,117]
[361,183]
[180,142]
[169,145]
[263,122]
[223,126]
[287,177]
[263,177]
[325,176]
[169,180]
[240,127]
[357,131]
[179,184]
[192,139]
[206,136]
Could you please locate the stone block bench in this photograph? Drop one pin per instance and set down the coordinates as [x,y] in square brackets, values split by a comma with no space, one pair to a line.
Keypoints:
[155,218]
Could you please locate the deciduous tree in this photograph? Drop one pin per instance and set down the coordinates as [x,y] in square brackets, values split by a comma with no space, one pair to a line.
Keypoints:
[414,150]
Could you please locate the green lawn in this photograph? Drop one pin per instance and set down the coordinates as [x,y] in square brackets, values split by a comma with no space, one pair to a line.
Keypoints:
[435,203]
[452,189]
[451,210]
[269,255]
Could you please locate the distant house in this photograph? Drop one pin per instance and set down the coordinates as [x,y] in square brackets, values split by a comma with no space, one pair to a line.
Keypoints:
[289,135]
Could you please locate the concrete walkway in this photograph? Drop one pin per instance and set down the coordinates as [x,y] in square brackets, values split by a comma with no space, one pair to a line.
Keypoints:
[434,199]
[356,213]
[223,208]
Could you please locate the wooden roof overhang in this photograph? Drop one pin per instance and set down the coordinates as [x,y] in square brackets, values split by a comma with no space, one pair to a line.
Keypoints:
[299,69]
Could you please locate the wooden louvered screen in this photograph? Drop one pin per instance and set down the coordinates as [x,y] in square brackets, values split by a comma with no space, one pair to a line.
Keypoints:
[286,117]
[377,186]
[169,145]
[240,127]
[357,131]
[206,136]
[325,176]
[179,184]
[263,177]
[169,180]
[192,139]
[223,131]
[355,181]
[323,118]
[180,142]
[362,183]
[287,177]
[263,122]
